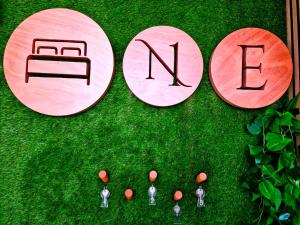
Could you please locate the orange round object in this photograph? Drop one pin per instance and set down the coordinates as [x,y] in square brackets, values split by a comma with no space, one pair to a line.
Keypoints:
[103,175]
[162,66]
[128,194]
[177,195]
[152,176]
[58,62]
[251,68]
[201,177]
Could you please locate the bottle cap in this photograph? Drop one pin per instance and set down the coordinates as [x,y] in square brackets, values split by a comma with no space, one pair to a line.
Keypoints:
[152,176]
[128,194]
[177,196]
[103,175]
[201,177]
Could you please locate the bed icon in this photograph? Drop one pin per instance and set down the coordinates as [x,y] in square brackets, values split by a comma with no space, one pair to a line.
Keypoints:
[54,58]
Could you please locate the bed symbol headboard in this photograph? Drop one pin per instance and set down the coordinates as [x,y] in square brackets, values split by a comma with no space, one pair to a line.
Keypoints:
[56,58]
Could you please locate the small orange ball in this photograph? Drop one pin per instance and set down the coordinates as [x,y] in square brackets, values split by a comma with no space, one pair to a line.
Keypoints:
[152,176]
[177,195]
[103,175]
[128,194]
[201,177]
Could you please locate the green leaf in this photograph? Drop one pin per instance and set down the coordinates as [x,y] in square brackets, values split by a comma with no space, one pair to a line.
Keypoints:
[270,192]
[271,112]
[297,183]
[255,196]
[273,211]
[295,128]
[286,159]
[255,150]
[296,192]
[286,119]
[268,117]
[262,159]
[255,127]
[266,188]
[269,220]
[275,127]
[296,220]
[267,203]
[268,170]
[288,196]
[296,123]
[293,181]
[276,142]
[277,198]
[267,121]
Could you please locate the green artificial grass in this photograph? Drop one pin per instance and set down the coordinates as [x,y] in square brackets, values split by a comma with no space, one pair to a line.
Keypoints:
[49,165]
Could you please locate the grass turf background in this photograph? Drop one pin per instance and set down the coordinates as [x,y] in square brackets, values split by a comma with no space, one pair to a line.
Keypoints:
[49,166]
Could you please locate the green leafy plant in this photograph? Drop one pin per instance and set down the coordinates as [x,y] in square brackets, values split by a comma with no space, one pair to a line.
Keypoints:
[273,178]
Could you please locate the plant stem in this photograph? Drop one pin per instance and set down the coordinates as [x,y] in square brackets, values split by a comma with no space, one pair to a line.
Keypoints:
[262,211]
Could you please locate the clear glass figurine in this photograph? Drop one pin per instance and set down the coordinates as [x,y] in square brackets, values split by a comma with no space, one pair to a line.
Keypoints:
[177,212]
[200,193]
[152,194]
[104,196]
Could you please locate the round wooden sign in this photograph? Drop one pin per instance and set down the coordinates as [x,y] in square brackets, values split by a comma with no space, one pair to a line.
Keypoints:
[251,68]
[163,66]
[58,62]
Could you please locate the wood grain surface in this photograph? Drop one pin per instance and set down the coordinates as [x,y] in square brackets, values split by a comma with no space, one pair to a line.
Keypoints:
[151,60]
[58,62]
[251,68]
[293,15]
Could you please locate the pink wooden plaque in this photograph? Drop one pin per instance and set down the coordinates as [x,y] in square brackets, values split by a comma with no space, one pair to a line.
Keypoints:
[251,68]
[163,66]
[58,62]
